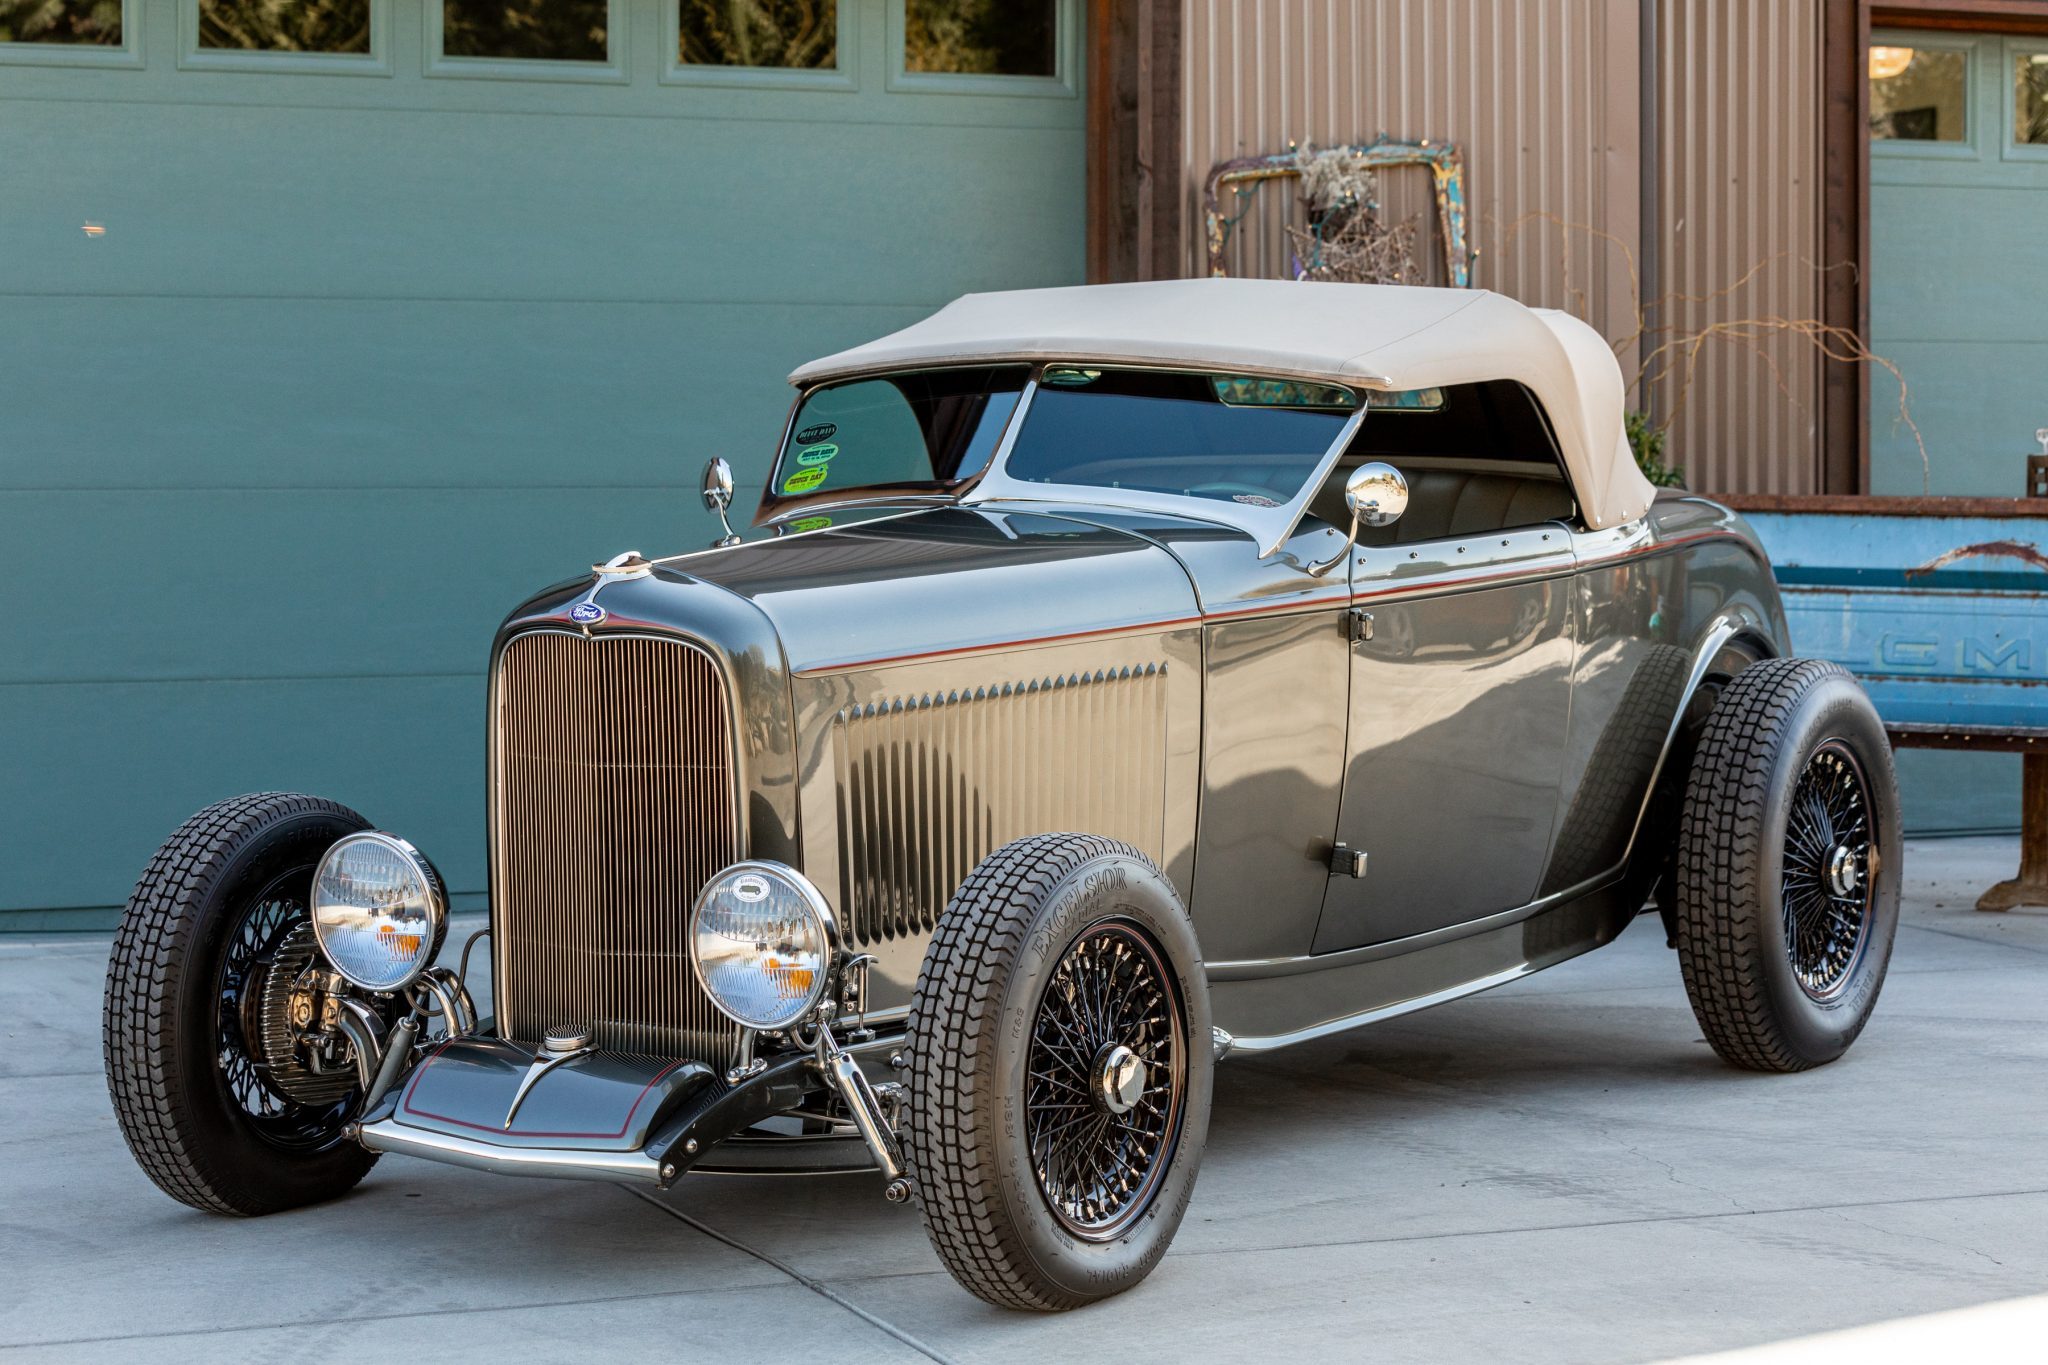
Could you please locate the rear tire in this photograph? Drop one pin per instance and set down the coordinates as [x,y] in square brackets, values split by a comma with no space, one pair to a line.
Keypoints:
[1788,866]
[1059,1030]
[203,1123]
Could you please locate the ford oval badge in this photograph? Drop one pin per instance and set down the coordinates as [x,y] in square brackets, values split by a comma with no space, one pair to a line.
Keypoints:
[586,613]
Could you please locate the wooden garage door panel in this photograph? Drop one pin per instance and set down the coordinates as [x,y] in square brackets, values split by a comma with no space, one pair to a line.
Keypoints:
[216,201]
[99,774]
[360,361]
[238,393]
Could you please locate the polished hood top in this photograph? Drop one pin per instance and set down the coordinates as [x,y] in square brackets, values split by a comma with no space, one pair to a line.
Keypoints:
[947,581]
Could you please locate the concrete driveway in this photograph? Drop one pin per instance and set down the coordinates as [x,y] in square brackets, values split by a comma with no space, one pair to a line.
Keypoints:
[1558,1170]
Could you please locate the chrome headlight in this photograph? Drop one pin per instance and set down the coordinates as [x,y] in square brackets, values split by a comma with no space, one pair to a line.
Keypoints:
[762,942]
[378,910]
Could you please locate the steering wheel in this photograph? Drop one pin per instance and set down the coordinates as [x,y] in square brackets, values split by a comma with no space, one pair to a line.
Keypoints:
[1229,488]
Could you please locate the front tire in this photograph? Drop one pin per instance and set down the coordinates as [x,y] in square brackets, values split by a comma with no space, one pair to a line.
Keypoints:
[216,906]
[1060,1062]
[1788,866]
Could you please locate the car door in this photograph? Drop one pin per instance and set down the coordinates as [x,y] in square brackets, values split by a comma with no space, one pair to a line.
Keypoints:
[1460,697]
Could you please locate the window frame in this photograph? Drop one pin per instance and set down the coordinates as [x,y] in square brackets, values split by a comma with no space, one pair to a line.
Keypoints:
[375,62]
[1971,147]
[128,55]
[1064,83]
[781,508]
[2011,148]
[616,69]
[1270,527]
[843,77]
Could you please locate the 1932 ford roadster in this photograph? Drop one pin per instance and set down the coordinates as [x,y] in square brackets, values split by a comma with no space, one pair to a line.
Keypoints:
[1133,675]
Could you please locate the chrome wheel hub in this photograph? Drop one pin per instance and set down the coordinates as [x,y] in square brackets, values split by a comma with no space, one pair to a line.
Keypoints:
[1843,875]
[1119,1079]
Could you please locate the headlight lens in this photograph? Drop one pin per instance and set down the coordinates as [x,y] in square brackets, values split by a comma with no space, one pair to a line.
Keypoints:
[762,941]
[378,910]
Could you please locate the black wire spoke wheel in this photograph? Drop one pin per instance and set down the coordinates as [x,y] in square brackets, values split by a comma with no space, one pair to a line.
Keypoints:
[1785,896]
[253,942]
[1830,864]
[1106,1078]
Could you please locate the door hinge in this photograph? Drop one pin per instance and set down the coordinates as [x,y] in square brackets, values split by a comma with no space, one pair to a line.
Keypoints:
[1346,861]
[1357,624]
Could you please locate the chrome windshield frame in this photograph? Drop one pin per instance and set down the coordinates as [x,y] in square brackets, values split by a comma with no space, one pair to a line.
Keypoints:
[1270,527]
[936,493]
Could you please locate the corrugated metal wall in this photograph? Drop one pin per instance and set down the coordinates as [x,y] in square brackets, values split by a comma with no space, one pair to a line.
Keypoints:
[1545,97]
[1739,192]
[1541,93]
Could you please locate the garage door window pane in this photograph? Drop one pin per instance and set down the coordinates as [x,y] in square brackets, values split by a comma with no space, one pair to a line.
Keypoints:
[94,23]
[285,25]
[791,34]
[1918,94]
[2030,97]
[526,30]
[981,37]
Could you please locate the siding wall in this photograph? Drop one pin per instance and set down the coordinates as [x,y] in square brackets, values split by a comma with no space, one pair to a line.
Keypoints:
[361,360]
[1739,188]
[1544,96]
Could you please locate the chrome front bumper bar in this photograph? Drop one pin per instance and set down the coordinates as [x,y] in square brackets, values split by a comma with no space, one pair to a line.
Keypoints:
[552,1163]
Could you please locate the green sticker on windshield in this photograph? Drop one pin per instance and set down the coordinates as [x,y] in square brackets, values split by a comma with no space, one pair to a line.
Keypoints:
[804,480]
[810,524]
[821,454]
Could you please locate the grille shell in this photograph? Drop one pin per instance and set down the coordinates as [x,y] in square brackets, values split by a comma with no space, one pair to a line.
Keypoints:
[614,800]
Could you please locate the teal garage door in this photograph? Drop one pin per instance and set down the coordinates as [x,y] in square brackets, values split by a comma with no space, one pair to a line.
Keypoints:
[329,330]
[1958,267]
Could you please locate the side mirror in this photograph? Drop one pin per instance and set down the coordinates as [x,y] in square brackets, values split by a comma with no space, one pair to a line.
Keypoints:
[1377,495]
[718,497]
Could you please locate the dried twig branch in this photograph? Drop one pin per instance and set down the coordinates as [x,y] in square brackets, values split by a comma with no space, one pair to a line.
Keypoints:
[1674,350]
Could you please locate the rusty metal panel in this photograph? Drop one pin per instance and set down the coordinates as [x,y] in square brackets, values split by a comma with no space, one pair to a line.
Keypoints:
[1941,616]
[1740,174]
[1541,95]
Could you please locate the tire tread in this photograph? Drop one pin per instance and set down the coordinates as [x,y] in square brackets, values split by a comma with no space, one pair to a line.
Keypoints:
[954,1025]
[1725,916]
[156,943]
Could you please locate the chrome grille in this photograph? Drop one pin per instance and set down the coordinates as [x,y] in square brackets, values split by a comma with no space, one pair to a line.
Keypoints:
[930,785]
[615,805]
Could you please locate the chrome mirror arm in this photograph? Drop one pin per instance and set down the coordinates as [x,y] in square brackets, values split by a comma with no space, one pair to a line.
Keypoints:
[1317,568]
[718,497]
[1377,495]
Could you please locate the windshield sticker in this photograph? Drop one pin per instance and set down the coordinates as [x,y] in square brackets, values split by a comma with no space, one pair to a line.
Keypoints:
[811,455]
[811,435]
[804,480]
[810,524]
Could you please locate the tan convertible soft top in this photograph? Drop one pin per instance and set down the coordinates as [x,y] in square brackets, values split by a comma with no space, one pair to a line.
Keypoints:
[1370,336]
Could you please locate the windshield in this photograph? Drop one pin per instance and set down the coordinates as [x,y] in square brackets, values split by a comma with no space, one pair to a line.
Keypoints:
[1234,438]
[913,433]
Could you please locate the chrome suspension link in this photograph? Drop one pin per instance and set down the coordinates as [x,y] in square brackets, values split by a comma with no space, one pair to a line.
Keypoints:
[863,1105]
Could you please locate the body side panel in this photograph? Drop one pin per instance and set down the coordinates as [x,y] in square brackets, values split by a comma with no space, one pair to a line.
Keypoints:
[1646,598]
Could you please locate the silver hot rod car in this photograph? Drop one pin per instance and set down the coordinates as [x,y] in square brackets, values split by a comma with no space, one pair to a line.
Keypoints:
[1128,677]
